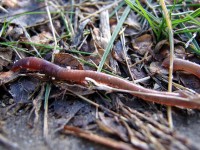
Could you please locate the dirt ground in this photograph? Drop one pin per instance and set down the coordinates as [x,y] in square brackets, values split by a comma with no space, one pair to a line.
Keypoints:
[19,133]
[188,125]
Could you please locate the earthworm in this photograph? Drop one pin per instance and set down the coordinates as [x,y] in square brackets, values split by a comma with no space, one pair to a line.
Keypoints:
[185,65]
[78,76]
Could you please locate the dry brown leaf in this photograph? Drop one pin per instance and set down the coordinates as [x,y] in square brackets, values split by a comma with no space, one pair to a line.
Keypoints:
[6,77]
[190,81]
[23,6]
[67,60]
[142,44]
[118,53]
[66,109]
[23,88]
[137,72]
[5,57]
[42,38]
[156,67]
[133,26]
[10,3]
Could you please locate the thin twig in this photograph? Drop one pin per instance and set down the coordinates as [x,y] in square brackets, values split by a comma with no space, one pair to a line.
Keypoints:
[104,8]
[8,143]
[52,29]
[95,138]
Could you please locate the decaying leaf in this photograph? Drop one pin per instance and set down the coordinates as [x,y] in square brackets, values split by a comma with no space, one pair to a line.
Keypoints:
[137,72]
[156,67]
[14,31]
[133,26]
[10,3]
[6,77]
[190,81]
[180,51]
[70,110]
[22,89]
[66,108]
[77,39]
[118,53]
[162,50]
[142,44]
[67,60]
[5,57]
[84,117]
[16,15]
[42,38]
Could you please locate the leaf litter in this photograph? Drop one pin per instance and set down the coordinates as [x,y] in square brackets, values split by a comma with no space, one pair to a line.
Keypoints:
[116,120]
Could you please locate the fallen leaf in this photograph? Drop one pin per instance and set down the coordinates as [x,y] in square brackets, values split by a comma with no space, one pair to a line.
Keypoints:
[10,3]
[5,57]
[118,53]
[14,31]
[42,38]
[142,44]
[15,15]
[6,77]
[156,68]
[22,89]
[133,26]
[77,40]
[190,81]
[67,60]
[66,108]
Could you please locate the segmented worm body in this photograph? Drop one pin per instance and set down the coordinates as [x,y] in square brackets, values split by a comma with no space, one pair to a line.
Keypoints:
[181,64]
[78,76]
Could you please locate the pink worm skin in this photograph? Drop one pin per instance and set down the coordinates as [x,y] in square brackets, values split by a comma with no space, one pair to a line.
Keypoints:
[185,65]
[53,70]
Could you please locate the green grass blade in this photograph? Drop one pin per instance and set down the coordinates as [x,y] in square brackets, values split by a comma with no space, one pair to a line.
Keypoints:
[188,17]
[46,99]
